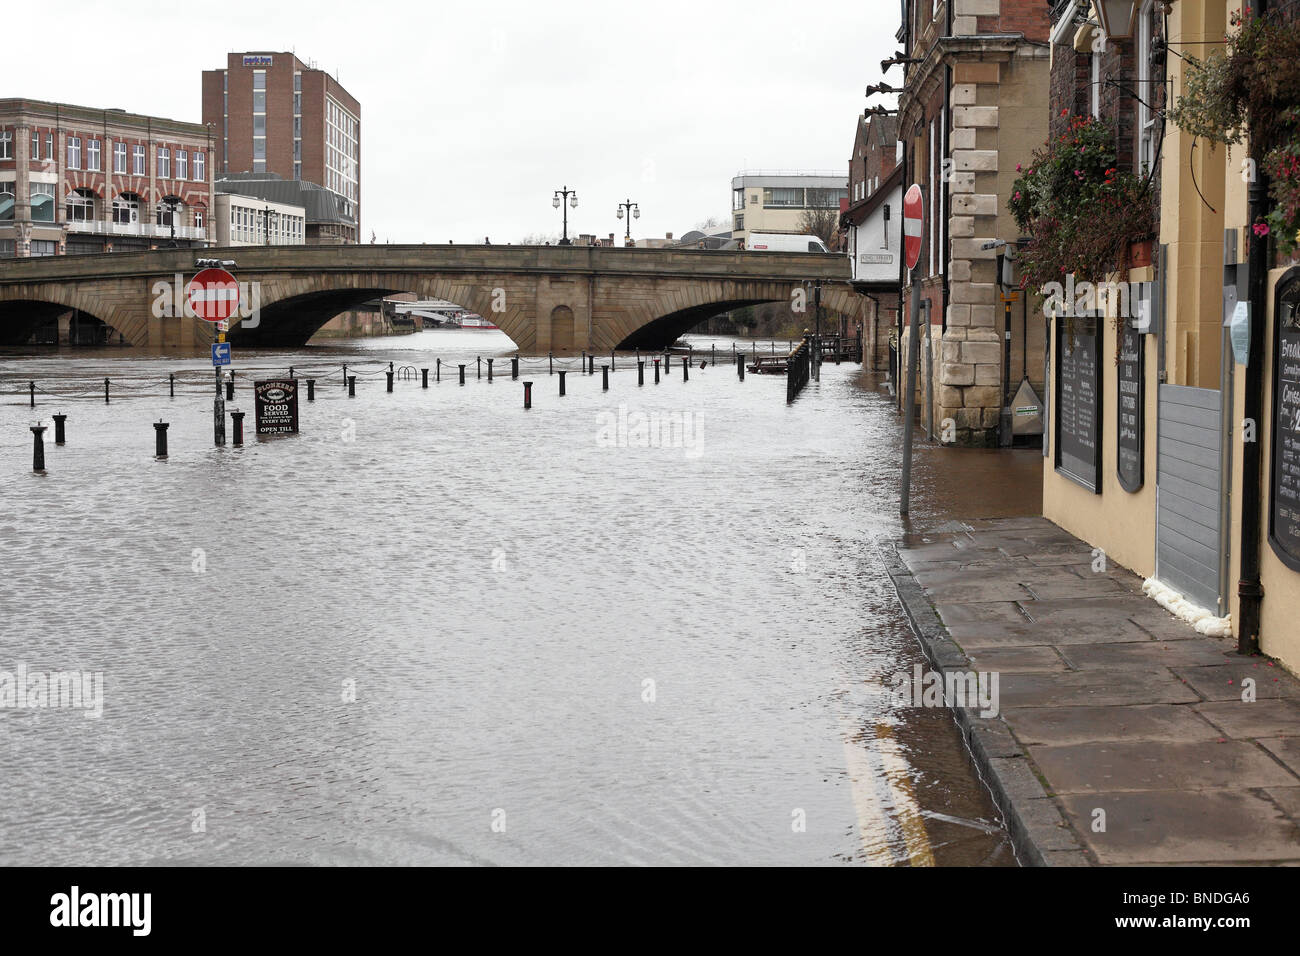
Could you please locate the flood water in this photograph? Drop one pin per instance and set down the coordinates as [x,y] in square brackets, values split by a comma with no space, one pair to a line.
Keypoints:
[435,628]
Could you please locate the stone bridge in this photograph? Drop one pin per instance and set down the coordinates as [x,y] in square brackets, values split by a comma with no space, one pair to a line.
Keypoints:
[545,298]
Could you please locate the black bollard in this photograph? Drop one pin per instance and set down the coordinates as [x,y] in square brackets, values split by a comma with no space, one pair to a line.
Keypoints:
[686,369]
[437,371]
[514,367]
[352,386]
[424,378]
[291,371]
[656,371]
[613,363]
[171,384]
[31,391]
[490,369]
[562,374]
[480,366]
[604,378]
[58,428]
[38,447]
[528,394]
[740,368]
[345,376]
[713,358]
[591,364]
[160,439]
[105,391]
[238,418]
[230,388]
[550,363]
[311,390]
[584,363]
[390,379]
[640,372]
[462,375]
[390,366]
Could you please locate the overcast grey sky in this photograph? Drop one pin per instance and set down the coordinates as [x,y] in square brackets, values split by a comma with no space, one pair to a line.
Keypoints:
[473,113]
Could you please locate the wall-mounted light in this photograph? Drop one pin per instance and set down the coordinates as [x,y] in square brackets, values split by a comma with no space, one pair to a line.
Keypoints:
[1117,17]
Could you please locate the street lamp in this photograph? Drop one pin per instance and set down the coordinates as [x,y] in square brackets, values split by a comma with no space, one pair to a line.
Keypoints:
[1117,17]
[171,217]
[633,212]
[558,201]
[267,213]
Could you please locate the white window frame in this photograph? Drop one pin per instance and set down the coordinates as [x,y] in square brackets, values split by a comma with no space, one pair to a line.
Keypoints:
[1145,139]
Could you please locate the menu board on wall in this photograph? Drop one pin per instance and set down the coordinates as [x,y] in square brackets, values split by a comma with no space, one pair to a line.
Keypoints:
[1130,381]
[1078,401]
[1284,510]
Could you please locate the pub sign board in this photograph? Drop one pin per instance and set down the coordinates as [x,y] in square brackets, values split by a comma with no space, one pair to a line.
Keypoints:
[1078,400]
[1130,381]
[276,401]
[1284,497]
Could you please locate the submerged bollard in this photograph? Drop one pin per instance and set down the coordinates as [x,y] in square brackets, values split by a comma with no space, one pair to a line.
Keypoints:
[390,379]
[528,394]
[58,428]
[584,363]
[604,378]
[171,384]
[686,370]
[437,372]
[490,369]
[31,391]
[106,391]
[713,358]
[345,375]
[656,371]
[514,368]
[352,386]
[462,375]
[230,386]
[160,439]
[613,362]
[311,390]
[562,374]
[550,363]
[640,372]
[424,378]
[38,447]
[238,418]
[290,371]
[740,369]
[480,366]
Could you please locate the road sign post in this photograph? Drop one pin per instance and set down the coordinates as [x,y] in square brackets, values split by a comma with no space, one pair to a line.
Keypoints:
[913,217]
[213,295]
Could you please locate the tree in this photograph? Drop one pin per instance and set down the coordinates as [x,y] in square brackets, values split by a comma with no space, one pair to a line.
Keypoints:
[713,224]
[540,239]
[821,221]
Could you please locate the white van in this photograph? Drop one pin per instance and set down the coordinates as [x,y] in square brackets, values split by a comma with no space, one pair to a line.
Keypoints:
[783,242]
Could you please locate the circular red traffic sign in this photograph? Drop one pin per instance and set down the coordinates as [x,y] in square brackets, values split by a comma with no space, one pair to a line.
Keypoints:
[213,295]
[913,217]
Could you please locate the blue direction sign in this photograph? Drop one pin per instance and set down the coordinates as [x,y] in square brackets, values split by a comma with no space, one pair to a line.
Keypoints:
[220,353]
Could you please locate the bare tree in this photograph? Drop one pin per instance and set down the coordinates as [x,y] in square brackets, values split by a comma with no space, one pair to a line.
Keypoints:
[540,239]
[821,221]
[713,224]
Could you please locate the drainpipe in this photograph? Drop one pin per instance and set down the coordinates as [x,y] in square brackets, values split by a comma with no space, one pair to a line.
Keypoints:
[1249,591]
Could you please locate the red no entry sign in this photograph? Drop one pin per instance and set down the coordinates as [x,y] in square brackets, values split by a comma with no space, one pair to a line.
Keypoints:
[913,216]
[213,294]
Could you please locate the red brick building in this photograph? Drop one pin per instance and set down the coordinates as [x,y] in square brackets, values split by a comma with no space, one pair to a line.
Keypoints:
[76,180]
[272,113]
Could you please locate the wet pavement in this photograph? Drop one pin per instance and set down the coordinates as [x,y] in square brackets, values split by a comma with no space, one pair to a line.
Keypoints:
[435,628]
[1124,736]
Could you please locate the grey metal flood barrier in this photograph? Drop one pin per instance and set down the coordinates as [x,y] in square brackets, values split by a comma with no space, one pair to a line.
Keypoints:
[1189,493]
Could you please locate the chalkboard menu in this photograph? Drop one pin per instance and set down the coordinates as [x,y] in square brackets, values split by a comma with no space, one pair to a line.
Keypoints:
[1078,401]
[1284,513]
[277,406]
[1131,385]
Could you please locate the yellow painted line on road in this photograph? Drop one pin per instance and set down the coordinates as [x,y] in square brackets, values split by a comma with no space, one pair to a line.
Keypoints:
[873,818]
[907,810]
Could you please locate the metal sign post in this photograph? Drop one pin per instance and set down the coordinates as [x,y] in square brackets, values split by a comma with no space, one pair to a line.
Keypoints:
[912,228]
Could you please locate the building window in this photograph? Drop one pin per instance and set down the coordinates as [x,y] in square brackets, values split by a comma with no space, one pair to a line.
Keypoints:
[6,201]
[297,170]
[164,163]
[74,152]
[119,158]
[81,206]
[137,160]
[826,198]
[42,202]
[43,247]
[92,155]
[6,144]
[169,212]
[126,209]
[1145,88]
[49,146]
[198,219]
[36,145]
[182,164]
[200,168]
[783,197]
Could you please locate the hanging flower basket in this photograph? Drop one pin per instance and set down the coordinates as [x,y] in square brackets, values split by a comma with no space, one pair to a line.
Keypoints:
[1139,253]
